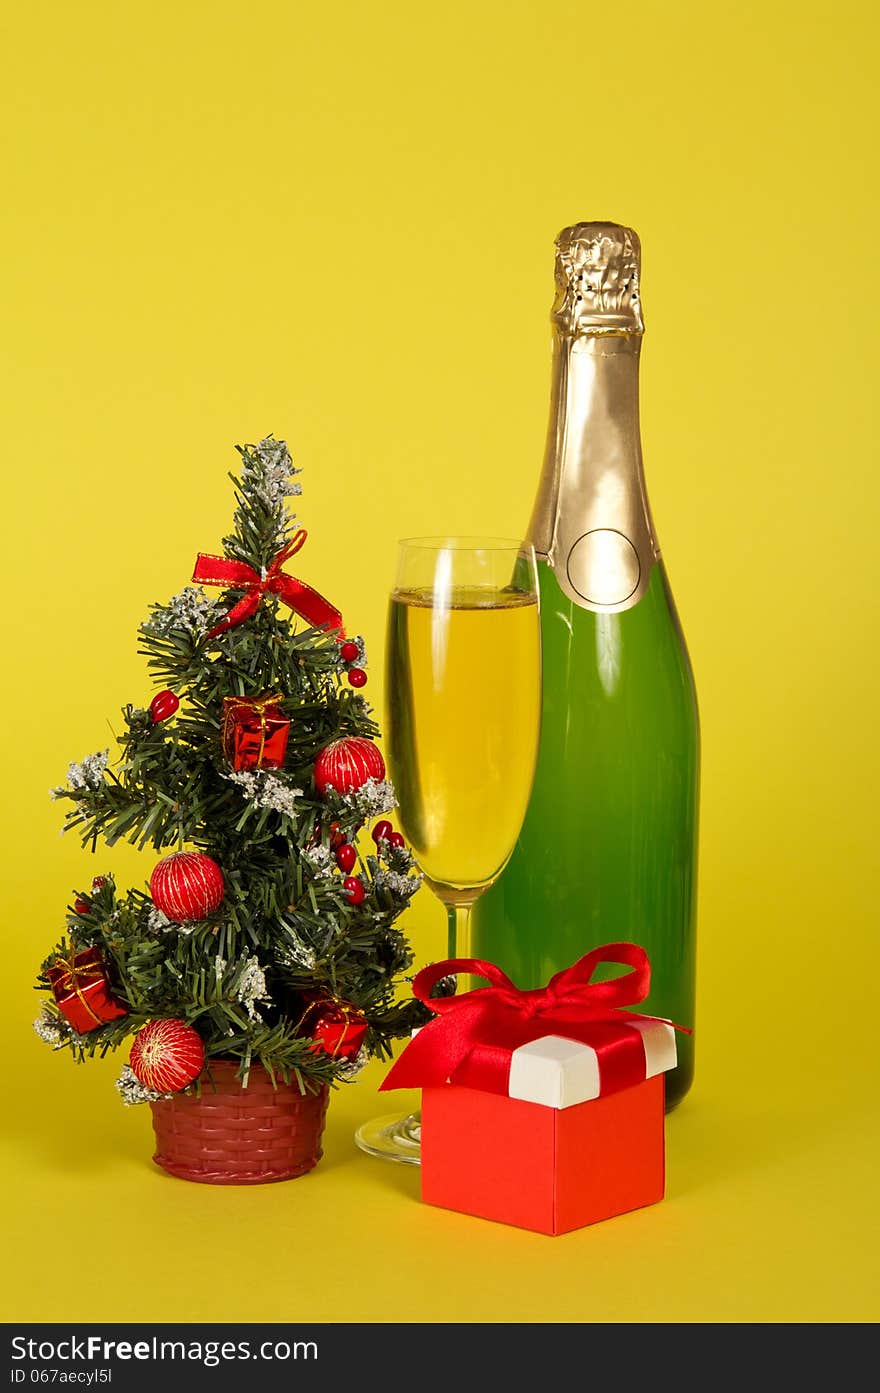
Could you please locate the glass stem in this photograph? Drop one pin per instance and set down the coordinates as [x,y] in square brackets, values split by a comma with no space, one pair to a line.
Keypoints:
[459,930]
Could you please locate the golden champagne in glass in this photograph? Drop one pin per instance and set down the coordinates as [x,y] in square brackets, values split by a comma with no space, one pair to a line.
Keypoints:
[463,691]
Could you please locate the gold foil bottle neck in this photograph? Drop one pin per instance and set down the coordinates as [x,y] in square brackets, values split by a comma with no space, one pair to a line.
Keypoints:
[591,520]
[597,280]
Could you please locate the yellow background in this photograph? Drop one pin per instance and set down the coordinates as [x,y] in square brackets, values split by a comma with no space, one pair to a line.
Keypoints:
[335,222]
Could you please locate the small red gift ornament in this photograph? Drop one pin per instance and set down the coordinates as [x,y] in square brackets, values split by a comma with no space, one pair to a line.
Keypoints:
[254,732]
[81,990]
[542,1108]
[337,1027]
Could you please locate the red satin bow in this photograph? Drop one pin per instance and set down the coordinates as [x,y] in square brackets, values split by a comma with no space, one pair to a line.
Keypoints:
[473,1035]
[238,575]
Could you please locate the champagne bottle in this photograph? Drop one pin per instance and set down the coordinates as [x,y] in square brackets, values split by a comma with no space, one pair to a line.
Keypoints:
[609,843]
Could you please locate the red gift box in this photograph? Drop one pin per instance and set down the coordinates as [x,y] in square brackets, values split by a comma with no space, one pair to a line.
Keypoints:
[81,991]
[254,733]
[542,1109]
[337,1027]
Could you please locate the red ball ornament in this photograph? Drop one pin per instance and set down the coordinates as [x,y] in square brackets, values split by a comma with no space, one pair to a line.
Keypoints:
[163,705]
[397,839]
[347,764]
[98,883]
[167,1055]
[382,831]
[354,889]
[336,1027]
[346,857]
[82,906]
[357,677]
[349,651]
[187,885]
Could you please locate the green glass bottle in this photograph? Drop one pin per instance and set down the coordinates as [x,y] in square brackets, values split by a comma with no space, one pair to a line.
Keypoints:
[608,849]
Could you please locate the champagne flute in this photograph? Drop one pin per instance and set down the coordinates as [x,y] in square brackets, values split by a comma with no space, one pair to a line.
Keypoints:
[463,694]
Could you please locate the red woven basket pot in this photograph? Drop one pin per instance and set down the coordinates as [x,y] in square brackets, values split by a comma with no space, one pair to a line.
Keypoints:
[239,1136]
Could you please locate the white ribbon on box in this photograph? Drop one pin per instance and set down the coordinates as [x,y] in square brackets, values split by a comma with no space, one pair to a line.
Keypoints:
[560,1073]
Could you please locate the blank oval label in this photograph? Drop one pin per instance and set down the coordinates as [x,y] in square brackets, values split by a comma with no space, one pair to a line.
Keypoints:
[603,567]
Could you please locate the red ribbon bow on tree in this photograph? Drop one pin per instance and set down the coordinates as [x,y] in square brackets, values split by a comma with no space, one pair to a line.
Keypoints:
[474,1033]
[238,575]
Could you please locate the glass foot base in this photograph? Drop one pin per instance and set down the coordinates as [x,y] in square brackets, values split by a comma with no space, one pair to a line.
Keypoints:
[393,1138]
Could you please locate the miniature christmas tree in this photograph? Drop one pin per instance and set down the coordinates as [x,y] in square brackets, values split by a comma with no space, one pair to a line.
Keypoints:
[267,935]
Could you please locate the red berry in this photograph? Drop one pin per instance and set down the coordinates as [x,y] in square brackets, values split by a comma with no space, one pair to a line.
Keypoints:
[99,882]
[336,836]
[354,889]
[163,705]
[82,906]
[396,839]
[357,677]
[346,857]
[382,831]
[349,651]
